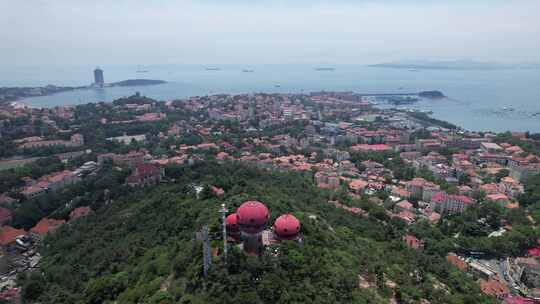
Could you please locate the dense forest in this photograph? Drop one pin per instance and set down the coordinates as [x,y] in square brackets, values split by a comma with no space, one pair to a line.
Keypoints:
[142,249]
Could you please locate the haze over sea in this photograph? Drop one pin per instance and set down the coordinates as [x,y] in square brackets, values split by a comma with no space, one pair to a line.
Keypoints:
[497,100]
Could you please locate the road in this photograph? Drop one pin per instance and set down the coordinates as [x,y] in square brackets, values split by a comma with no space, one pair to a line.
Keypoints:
[505,274]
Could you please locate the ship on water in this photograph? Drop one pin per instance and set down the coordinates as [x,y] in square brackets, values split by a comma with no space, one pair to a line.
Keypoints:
[248,71]
[212,69]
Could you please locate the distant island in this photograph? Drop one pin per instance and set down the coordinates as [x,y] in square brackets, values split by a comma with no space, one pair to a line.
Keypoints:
[431,94]
[453,65]
[9,94]
[136,82]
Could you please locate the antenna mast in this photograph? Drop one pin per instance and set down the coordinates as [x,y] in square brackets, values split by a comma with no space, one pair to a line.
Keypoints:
[223,212]
[207,254]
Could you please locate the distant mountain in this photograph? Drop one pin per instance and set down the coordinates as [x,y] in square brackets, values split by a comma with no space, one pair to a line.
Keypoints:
[454,65]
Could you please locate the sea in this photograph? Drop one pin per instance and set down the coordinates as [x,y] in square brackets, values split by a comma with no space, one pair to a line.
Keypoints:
[480,100]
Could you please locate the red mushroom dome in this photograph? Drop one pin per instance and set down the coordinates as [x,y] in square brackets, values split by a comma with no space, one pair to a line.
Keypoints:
[252,217]
[232,222]
[287,226]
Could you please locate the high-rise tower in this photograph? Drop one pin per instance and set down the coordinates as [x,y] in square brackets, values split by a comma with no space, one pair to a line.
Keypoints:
[98,77]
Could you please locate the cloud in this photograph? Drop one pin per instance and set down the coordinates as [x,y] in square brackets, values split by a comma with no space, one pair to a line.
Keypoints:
[122,31]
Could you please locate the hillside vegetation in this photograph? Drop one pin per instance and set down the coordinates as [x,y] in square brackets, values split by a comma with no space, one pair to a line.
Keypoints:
[142,249]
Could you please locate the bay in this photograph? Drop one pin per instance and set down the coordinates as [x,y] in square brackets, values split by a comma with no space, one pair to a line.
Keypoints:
[496,100]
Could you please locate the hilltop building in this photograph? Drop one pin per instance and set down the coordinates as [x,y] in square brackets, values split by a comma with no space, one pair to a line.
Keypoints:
[248,226]
[252,217]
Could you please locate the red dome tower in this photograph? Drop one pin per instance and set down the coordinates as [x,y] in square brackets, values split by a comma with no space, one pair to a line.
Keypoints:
[252,217]
[287,227]
[232,226]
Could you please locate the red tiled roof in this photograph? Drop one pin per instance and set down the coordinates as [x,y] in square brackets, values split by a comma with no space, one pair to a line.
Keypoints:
[412,241]
[365,147]
[46,225]
[434,217]
[534,252]
[439,197]
[494,288]
[357,184]
[497,197]
[5,215]
[8,235]
[405,205]
[218,191]
[407,216]
[79,212]
[9,294]
[147,169]
[443,197]
[453,259]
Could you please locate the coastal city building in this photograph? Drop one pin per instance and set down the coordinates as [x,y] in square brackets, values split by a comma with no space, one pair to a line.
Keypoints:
[377,169]
[99,80]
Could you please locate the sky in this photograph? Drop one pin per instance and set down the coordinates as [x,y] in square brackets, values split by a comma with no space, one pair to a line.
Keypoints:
[80,32]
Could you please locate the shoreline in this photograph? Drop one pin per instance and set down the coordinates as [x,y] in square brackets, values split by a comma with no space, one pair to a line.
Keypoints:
[465,113]
[20,94]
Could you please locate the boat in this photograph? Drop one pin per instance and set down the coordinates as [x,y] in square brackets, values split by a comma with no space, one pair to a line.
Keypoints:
[212,69]
[277,86]
[325,69]
[248,71]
